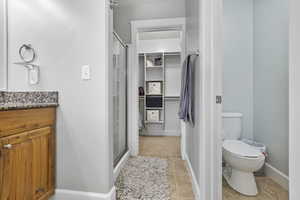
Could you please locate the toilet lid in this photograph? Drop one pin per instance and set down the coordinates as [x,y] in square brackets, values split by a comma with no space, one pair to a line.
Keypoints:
[240,148]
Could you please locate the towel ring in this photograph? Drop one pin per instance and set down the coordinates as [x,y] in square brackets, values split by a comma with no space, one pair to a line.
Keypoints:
[23,49]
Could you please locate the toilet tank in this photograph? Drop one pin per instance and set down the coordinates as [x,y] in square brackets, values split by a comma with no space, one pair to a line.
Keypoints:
[232,126]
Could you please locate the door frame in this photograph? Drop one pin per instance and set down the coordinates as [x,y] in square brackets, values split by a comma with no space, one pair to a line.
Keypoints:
[294,98]
[211,47]
[4,62]
[133,74]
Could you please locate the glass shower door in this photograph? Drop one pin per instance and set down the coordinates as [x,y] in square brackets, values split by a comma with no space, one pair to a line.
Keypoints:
[119,98]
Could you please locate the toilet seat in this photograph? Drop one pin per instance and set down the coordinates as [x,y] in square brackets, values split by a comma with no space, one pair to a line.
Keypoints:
[241,149]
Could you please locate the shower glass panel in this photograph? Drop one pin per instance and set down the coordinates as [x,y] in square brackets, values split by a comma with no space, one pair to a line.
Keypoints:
[119,98]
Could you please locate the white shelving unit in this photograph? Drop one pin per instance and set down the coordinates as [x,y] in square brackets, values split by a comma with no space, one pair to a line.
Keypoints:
[168,44]
[154,73]
[169,74]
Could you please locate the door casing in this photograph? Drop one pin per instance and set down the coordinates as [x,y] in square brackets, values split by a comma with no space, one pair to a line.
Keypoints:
[133,74]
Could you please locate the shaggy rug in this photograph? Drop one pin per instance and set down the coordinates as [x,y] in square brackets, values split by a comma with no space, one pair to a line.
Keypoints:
[143,178]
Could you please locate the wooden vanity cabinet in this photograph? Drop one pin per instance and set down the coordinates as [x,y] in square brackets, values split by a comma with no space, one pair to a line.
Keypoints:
[27,142]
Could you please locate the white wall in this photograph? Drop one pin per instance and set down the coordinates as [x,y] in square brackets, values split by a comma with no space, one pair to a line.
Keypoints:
[66,35]
[294,99]
[192,43]
[159,45]
[203,143]
[130,10]
[238,61]
[271,79]
[173,69]
[2,45]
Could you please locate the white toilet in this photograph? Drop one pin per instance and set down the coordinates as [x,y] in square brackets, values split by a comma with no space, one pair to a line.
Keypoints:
[241,159]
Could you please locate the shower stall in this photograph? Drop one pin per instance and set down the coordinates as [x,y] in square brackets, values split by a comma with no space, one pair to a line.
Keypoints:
[119,98]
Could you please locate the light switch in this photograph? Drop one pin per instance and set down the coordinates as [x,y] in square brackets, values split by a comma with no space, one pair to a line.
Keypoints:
[85,72]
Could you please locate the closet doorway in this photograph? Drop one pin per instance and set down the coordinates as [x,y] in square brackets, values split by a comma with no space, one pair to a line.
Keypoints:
[156,56]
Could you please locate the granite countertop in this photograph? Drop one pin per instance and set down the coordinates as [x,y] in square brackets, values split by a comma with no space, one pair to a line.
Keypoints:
[26,100]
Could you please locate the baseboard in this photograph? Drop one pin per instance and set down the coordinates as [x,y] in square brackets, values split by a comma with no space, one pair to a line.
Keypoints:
[277,176]
[196,188]
[78,195]
[183,152]
[120,165]
[183,140]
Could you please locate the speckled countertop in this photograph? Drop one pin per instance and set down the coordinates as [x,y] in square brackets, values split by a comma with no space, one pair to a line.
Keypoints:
[25,100]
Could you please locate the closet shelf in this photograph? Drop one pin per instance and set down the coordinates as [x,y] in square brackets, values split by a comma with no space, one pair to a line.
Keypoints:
[174,53]
[166,97]
[155,80]
[172,97]
[154,67]
[155,95]
[154,122]
[154,108]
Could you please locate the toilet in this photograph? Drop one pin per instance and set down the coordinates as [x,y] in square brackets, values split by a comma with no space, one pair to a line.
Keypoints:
[241,159]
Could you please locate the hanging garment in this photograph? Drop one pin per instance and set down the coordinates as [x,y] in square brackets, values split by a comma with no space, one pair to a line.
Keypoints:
[186,110]
[141,121]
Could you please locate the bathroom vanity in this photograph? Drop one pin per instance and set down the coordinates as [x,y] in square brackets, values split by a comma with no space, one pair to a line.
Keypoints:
[27,145]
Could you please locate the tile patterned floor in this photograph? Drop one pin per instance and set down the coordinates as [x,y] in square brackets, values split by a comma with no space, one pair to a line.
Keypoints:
[180,181]
[169,148]
[268,190]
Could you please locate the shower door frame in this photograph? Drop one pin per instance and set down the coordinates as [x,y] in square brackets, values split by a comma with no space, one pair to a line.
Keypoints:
[116,161]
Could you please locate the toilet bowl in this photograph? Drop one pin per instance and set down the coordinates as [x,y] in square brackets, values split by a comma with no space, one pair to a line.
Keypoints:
[241,161]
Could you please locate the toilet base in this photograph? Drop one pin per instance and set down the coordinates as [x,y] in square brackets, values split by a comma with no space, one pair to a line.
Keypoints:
[242,182]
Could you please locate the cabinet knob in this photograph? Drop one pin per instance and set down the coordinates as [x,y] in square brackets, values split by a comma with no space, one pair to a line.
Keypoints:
[40,190]
[7,146]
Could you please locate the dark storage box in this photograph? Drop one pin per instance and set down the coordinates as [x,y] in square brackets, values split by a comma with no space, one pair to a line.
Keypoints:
[154,101]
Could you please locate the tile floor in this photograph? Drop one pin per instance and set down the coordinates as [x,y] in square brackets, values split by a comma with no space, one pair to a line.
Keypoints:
[169,148]
[180,181]
[268,190]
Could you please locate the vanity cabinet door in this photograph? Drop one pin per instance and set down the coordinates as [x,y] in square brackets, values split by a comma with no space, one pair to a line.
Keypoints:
[27,152]
[16,168]
[42,163]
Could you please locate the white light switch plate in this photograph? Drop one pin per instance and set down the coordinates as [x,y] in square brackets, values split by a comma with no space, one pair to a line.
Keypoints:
[85,72]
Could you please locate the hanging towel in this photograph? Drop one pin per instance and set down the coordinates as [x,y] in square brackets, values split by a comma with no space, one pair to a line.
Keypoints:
[186,110]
